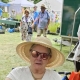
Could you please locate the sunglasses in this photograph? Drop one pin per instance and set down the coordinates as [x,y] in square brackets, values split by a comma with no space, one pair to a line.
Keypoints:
[43,56]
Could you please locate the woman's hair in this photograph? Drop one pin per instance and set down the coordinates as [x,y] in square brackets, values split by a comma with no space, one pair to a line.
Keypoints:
[26,11]
[49,50]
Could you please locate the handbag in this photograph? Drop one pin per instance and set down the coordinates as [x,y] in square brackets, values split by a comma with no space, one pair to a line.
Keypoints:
[29,30]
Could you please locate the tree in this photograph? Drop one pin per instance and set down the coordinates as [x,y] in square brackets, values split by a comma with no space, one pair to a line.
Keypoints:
[36,1]
[5,1]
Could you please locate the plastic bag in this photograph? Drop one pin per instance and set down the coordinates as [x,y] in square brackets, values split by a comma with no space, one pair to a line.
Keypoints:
[74,76]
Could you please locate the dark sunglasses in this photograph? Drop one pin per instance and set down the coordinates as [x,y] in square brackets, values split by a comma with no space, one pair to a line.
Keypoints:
[43,56]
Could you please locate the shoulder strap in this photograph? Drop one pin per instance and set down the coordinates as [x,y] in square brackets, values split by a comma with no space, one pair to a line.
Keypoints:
[47,14]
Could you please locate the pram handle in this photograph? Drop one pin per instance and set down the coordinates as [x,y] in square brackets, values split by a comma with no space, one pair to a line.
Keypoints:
[66,73]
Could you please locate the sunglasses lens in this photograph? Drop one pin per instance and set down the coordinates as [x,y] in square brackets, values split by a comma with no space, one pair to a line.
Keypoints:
[35,54]
[45,56]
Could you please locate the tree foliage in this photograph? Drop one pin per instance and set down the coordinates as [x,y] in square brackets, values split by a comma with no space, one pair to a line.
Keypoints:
[36,1]
[5,1]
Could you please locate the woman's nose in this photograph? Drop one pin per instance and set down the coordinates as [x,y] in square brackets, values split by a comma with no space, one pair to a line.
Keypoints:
[39,57]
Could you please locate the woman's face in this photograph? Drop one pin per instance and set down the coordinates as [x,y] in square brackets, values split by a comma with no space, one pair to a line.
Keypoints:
[40,61]
[26,13]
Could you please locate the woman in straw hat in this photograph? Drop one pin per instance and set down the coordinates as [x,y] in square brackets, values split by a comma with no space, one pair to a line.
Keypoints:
[26,30]
[41,56]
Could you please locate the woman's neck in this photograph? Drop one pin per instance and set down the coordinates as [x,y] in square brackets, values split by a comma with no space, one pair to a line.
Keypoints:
[37,71]
[37,74]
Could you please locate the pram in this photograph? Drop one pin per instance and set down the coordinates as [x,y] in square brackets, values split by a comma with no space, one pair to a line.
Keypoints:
[70,75]
[65,77]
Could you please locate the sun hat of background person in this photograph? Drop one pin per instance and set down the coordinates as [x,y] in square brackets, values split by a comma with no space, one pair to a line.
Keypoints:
[23,50]
[43,6]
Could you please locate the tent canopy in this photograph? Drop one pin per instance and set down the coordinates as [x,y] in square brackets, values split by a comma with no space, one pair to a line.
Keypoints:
[55,5]
[23,3]
[4,4]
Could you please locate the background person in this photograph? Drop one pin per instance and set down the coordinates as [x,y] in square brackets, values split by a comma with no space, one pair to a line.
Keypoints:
[13,14]
[41,55]
[26,30]
[1,12]
[35,15]
[52,16]
[43,21]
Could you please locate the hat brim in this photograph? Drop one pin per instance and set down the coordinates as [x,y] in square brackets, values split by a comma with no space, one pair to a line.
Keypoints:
[57,58]
[43,7]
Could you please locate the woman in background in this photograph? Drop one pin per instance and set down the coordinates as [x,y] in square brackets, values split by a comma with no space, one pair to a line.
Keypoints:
[26,30]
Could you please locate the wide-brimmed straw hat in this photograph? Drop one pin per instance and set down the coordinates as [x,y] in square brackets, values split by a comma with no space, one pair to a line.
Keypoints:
[44,6]
[57,58]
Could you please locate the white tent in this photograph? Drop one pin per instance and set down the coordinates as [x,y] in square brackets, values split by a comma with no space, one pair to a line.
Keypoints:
[18,4]
[15,7]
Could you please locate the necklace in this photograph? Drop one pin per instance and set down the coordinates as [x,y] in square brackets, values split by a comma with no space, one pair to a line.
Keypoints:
[37,78]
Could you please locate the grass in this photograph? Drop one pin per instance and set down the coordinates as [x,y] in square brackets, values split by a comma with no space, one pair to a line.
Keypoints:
[9,59]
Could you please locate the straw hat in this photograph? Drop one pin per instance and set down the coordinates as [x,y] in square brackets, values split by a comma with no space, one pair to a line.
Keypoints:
[57,58]
[44,6]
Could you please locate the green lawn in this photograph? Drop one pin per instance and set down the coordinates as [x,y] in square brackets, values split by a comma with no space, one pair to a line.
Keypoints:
[9,58]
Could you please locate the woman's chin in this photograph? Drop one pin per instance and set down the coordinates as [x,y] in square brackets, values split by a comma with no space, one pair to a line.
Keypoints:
[37,66]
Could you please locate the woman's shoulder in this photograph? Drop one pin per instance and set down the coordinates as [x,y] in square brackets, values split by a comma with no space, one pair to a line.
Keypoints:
[54,74]
[18,73]
[21,68]
[51,71]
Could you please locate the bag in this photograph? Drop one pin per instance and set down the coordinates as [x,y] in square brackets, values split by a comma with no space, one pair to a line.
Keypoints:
[74,76]
[29,30]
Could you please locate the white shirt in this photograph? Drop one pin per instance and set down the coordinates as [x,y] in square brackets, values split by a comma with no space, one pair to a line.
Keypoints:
[23,73]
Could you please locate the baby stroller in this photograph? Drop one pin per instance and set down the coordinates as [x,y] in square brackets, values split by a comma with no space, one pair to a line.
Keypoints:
[65,77]
[70,75]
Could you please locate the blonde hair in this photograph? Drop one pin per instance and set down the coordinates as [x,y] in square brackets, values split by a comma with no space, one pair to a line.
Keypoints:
[26,11]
